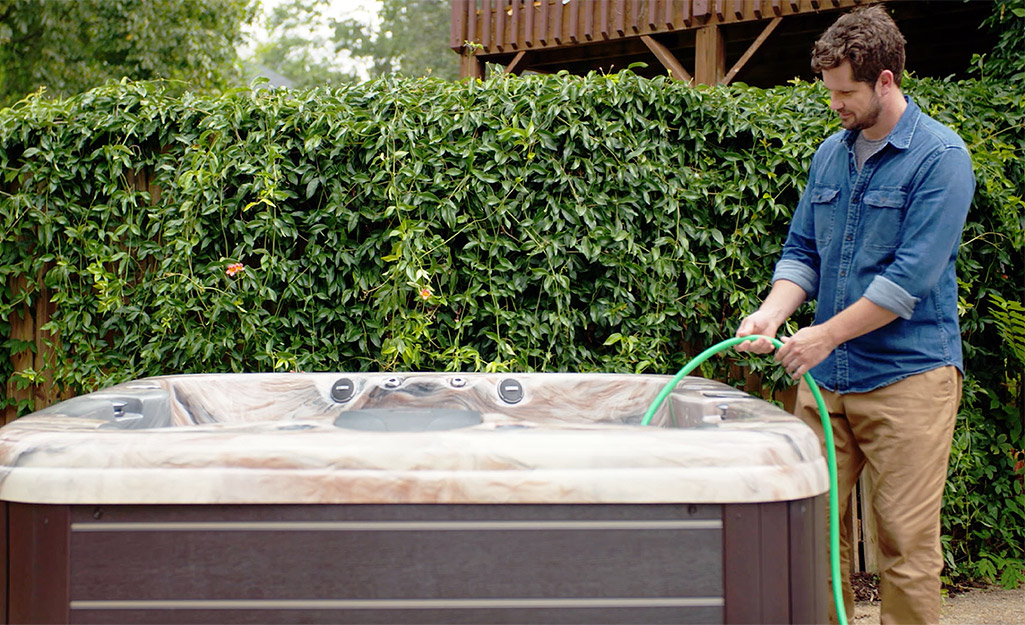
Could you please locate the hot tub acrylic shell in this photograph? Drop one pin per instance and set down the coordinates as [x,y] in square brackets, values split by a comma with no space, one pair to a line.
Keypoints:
[429,498]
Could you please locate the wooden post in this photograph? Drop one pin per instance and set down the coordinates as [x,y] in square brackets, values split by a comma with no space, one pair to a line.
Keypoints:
[867,538]
[710,55]
[470,66]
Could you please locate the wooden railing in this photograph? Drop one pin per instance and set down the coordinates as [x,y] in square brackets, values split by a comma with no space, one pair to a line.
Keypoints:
[502,26]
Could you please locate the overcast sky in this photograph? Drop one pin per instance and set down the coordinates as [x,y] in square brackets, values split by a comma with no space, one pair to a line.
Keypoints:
[364,10]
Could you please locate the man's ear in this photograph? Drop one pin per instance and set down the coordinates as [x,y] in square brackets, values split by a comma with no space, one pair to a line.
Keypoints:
[885,82]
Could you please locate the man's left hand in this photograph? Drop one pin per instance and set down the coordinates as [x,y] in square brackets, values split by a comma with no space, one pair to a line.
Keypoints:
[806,348]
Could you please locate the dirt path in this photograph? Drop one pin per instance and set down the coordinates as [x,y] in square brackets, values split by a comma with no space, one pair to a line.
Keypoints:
[985,606]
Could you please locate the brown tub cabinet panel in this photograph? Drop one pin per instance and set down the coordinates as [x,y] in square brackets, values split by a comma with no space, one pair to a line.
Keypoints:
[809,561]
[38,563]
[775,562]
[5,562]
[654,563]
[392,564]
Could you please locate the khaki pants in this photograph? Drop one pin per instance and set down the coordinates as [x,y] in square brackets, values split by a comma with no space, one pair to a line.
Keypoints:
[901,435]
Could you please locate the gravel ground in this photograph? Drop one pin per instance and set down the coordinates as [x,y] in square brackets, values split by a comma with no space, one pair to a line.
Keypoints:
[984,606]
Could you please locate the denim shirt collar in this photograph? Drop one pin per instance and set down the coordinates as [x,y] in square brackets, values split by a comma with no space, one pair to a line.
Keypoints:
[901,135]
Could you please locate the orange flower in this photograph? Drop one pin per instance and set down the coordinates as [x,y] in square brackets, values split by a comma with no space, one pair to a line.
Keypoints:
[425,293]
[234,269]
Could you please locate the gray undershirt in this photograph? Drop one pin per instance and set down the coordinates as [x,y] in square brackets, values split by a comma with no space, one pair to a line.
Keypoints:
[865,148]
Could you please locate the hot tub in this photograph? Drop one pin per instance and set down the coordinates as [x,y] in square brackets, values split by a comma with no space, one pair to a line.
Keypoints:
[426,498]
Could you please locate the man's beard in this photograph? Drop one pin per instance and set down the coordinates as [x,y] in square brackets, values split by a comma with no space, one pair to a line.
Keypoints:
[867,120]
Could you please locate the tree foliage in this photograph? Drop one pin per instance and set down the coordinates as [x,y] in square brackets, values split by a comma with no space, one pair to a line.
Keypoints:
[1007,59]
[410,38]
[298,48]
[69,46]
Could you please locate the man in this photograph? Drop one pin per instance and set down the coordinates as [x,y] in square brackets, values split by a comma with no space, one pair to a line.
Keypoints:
[874,240]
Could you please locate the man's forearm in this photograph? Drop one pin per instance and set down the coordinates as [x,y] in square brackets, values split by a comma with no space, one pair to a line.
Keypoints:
[784,298]
[861,317]
[811,345]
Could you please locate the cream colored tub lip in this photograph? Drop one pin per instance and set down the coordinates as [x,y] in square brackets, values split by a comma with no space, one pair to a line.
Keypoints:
[49,458]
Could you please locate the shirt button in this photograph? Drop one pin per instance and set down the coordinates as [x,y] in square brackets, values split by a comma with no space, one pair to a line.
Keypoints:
[850,238]
[843,273]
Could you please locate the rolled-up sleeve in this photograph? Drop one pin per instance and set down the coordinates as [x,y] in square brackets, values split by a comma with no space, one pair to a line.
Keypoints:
[800,274]
[892,297]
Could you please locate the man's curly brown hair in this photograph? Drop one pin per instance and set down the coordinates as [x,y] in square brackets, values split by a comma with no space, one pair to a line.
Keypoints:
[868,39]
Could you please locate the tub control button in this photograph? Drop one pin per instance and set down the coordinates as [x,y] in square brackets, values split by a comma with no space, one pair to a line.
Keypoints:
[343,390]
[510,390]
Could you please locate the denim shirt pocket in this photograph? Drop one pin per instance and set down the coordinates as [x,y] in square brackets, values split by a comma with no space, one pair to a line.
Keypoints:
[824,201]
[883,216]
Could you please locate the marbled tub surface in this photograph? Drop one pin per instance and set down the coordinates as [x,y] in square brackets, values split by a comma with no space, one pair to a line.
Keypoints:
[272,438]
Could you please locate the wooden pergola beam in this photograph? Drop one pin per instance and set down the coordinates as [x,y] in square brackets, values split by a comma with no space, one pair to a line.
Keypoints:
[516,65]
[757,43]
[667,59]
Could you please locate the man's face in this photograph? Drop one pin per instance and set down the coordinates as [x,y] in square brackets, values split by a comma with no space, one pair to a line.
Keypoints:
[856,102]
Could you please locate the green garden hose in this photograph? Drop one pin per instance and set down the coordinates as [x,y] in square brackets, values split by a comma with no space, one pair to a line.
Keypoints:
[834,515]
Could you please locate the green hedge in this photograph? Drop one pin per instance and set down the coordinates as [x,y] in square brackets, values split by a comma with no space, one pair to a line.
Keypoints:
[606,223]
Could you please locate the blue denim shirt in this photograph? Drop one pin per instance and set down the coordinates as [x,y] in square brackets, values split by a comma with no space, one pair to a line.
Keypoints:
[889,233]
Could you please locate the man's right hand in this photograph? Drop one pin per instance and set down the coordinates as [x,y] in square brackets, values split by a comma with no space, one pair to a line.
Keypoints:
[759,322]
[782,301]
